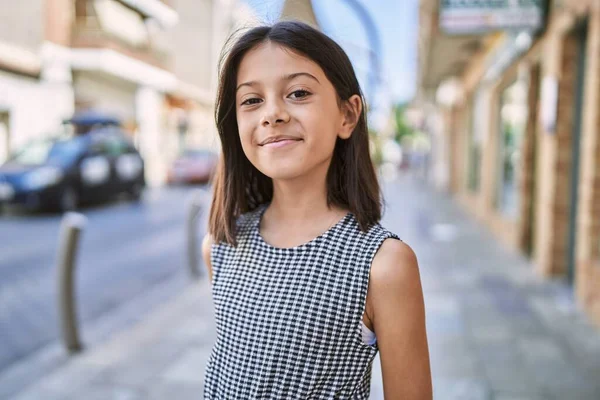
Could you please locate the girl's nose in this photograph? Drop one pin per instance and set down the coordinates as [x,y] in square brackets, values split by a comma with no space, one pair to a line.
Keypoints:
[275,115]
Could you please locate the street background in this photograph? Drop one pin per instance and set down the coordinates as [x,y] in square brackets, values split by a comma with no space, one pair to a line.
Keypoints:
[485,134]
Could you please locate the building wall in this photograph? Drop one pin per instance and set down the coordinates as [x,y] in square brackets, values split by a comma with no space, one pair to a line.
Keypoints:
[560,62]
[58,17]
[106,94]
[542,226]
[191,43]
[527,210]
[22,23]
[34,100]
[35,108]
[588,251]
[552,200]
[544,219]
[149,109]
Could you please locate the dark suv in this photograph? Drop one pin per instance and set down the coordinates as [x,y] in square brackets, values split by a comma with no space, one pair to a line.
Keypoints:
[62,173]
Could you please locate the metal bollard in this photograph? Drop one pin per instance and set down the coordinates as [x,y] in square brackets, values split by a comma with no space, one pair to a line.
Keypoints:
[70,232]
[192,233]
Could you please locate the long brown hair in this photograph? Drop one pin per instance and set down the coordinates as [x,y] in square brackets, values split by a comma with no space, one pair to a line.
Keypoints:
[239,187]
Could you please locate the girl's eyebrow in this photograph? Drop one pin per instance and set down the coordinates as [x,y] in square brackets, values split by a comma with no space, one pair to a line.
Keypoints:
[286,78]
[297,74]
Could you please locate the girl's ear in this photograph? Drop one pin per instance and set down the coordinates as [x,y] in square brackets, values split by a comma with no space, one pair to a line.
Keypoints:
[351,112]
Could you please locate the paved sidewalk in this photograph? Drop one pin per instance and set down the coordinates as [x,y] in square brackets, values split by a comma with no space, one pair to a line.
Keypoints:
[496,331]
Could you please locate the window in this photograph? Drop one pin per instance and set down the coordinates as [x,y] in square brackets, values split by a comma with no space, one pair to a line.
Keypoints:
[513,121]
[109,145]
[122,22]
[49,151]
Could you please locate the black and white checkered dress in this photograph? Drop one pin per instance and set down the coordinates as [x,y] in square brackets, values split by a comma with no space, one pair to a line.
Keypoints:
[289,319]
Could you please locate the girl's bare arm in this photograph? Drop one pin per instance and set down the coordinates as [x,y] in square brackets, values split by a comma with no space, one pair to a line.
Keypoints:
[398,313]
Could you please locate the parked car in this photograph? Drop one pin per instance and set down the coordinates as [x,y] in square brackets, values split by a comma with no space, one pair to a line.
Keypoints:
[62,173]
[193,166]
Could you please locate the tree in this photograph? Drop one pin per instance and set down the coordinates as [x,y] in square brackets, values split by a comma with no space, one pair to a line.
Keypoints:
[402,128]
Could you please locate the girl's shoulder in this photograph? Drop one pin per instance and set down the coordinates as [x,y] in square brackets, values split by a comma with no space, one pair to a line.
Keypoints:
[378,230]
[350,233]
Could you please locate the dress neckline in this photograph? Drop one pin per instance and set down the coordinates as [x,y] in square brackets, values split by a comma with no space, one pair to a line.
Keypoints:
[305,245]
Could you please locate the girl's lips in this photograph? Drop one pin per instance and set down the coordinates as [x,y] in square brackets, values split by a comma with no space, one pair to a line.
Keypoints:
[281,143]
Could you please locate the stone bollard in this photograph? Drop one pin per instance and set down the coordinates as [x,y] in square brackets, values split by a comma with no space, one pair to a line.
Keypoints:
[70,231]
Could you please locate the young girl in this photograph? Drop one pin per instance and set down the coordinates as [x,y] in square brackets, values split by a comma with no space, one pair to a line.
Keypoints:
[307,285]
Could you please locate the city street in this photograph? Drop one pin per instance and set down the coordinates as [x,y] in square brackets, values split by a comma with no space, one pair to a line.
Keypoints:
[127,250]
[496,330]
[483,128]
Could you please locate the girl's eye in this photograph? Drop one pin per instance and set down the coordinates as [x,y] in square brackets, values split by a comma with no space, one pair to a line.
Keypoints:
[299,94]
[251,101]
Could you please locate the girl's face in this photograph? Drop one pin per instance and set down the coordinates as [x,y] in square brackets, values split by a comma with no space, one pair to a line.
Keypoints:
[288,112]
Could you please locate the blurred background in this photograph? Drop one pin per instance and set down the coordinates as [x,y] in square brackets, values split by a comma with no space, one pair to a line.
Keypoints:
[484,120]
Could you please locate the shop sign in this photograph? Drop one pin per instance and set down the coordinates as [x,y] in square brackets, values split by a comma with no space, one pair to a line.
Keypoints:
[468,17]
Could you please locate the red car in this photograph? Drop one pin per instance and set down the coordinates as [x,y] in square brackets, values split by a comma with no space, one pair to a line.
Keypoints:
[193,166]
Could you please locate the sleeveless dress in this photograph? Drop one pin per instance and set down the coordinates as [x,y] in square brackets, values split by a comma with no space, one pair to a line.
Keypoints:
[288,320]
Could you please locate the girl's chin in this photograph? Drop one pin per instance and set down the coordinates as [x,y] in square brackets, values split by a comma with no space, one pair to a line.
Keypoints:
[292,167]
[283,172]
[283,175]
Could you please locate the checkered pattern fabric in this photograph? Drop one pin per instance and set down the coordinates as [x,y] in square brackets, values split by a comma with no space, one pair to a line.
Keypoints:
[288,319]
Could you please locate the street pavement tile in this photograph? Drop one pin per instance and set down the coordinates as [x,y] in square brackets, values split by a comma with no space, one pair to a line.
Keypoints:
[481,323]
[189,368]
[496,333]
[112,353]
[446,346]
[161,390]
[73,376]
[60,384]
[579,393]
[525,325]
[136,375]
[39,395]
[463,278]
[195,331]
[544,308]
[512,378]
[499,354]
[441,303]
[507,298]
[464,366]
[143,365]
[461,389]
[507,396]
[25,372]
[584,339]
[96,392]
[562,376]
[445,324]
[541,350]
[475,299]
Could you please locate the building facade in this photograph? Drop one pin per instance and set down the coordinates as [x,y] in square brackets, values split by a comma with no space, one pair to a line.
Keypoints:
[34,97]
[517,125]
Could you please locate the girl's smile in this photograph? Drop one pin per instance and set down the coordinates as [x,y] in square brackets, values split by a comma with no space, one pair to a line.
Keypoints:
[278,141]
